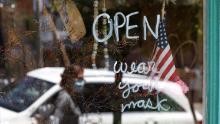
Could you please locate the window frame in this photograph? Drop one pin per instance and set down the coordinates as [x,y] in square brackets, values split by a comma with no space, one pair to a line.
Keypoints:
[211,59]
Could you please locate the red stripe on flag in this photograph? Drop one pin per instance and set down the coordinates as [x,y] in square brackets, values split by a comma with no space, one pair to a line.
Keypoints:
[164,59]
[158,54]
[166,71]
[173,76]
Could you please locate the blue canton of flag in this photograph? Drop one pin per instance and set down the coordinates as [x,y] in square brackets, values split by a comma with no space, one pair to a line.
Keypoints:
[162,39]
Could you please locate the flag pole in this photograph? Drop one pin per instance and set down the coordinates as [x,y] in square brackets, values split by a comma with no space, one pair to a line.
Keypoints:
[163,12]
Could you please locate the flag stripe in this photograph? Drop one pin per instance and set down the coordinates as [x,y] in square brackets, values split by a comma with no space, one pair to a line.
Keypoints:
[171,73]
[158,54]
[173,76]
[169,60]
[167,56]
[167,70]
[154,57]
[163,54]
[159,57]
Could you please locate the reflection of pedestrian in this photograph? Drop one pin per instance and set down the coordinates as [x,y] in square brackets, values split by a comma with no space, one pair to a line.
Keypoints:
[70,75]
[66,111]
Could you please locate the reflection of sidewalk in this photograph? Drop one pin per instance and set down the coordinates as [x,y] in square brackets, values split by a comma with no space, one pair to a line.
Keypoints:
[199,107]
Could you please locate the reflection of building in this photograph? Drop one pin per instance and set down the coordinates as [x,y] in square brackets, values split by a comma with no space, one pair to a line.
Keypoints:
[16,29]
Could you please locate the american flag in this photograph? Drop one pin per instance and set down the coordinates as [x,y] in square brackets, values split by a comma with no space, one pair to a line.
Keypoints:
[163,59]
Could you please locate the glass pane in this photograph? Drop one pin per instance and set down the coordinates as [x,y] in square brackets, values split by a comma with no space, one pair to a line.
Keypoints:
[126,58]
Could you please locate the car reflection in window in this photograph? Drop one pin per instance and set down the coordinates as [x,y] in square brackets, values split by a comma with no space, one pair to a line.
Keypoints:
[97,98]
[24,94]
[170,104]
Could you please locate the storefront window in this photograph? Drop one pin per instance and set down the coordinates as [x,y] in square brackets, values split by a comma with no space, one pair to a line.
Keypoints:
[143,60]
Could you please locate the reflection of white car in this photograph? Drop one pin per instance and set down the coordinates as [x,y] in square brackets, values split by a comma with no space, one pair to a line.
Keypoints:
[20,105]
